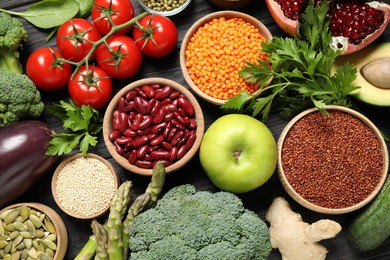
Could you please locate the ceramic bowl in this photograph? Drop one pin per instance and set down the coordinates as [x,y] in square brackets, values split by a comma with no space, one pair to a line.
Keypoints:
[200,23]
[126,157]
[303,197]
[78,181]
[172,12]
[61,241]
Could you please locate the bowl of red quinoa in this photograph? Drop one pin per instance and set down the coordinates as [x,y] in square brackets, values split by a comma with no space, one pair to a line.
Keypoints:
[151,120]
[84,185]
[332,162]
[214,50]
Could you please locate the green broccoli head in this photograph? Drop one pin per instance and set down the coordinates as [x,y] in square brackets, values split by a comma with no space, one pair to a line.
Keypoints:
[19,97]
[186,224]
[12,36]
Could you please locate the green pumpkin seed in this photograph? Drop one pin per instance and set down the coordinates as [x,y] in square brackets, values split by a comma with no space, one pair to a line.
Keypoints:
[2,230]
[15,255]
[36,221]
[7,257]
[50,252]
[24,211]
[27,242]
[14,234]
[26,234]
[30,226]
[32,253]
[8,248]
[17,240]
[11,216]
[52,237]
[39,233]
[49,226]
[20,226]
[9,227]
[24,253]
[50,244]
[3,243]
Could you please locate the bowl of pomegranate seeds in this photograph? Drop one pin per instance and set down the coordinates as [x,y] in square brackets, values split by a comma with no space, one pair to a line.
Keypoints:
[151,120]
[332,162]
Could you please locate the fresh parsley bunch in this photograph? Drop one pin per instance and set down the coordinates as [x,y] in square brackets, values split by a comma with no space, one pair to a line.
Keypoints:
[300,70]
[83,124]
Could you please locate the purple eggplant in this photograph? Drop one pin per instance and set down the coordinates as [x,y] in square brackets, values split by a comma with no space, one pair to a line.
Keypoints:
[23,159]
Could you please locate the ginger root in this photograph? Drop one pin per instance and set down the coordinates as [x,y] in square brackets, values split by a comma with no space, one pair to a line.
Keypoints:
[295,239]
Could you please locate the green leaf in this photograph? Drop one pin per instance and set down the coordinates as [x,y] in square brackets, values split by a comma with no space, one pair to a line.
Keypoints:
[237,102]
[63,143]
[263,106]
[87,141]
[85,7]
[48,13]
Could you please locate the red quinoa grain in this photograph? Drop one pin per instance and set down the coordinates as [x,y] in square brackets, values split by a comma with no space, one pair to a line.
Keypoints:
[332,161]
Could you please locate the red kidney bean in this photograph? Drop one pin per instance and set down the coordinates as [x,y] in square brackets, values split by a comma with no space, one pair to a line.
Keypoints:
[129,132]
[159,155]
[190,141]
[126,155]
[159,117]
[176,138]
[120,120]
[141,93]
[179,118]
[173,154]
[181,111]
[132,156]
[177,124]
[168,108]
[157,128]
[174,95]
[168,117]
[166,102]
[163,92]
[121,103]
[181,152]
[155,109]
[131,95]
[150,105]
[141,152]
[146,122]
[139,105]
[123,140]
[136,122]
[156,86]
[145,131]
[129,107]
[143,164]
[165,162]
[157,140]
[139,141]
[171,134]
[186,105]
[119,149]
[149,91]
[166,146]
[128,147]
[183,139]
[192,123]
[167,129]
[114,134]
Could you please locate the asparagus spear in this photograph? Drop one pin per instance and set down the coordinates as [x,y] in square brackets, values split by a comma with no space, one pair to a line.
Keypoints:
[89,249]
[100,233]
[114,222]
[149,197]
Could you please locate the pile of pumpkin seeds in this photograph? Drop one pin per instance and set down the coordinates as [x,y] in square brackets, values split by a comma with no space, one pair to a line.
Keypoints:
[26,233]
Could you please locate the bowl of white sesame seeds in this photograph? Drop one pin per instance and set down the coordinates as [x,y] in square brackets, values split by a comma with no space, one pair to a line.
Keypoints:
[84,185]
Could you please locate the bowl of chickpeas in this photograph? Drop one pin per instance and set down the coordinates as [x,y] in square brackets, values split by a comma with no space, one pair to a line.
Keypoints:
[216,48]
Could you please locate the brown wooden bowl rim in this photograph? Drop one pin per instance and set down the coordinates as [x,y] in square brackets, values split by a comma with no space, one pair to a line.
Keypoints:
[227,14]
[298,198]
[59,225]
[107,125]
[71,158]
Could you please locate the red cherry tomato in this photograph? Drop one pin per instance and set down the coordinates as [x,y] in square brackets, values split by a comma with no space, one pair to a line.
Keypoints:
[46,71]
[72,48]
[90,87]
[159,36]
[120,12]
[122,60]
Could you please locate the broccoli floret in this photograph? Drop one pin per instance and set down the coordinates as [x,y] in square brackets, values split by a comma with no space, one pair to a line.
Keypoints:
[12,36]
[199,225]
[19,97]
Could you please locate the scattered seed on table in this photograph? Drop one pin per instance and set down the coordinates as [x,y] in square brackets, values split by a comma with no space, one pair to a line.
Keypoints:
[332,161]
[85,186]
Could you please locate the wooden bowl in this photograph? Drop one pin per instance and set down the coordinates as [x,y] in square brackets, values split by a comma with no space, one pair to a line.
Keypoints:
[233,4]
[59,226]
[83,186]
[108,126]
[316,207]
[164,13]
[194,28]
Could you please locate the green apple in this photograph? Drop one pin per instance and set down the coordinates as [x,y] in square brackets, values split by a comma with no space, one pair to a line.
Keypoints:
[238,153]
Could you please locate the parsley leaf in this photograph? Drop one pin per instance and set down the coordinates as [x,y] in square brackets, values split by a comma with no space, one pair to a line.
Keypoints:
[83,124]
[300,69]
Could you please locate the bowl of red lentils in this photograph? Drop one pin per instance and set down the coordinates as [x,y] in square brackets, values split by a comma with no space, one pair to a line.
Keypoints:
[151,120]
[214,50]
[84,185]
[333,161]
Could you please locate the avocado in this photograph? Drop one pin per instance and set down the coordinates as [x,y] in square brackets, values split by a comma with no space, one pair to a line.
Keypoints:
[373,77]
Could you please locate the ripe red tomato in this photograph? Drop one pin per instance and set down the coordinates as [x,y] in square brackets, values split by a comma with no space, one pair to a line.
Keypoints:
[120,12]
[122,60]
[159,37]
[90,87]
[46,71]
[72,48]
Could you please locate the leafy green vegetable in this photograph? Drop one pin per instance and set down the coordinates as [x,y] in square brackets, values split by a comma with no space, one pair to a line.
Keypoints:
[48,13]
[300,70]
[85,8]
[84,123]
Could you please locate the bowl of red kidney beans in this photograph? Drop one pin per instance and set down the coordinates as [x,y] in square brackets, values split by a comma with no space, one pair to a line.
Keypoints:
[151,120]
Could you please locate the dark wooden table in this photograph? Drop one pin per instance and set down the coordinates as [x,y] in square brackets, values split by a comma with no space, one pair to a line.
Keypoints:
[257,200]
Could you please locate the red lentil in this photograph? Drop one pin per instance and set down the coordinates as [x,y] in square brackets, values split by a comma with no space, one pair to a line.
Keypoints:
[332,161]
[216,53]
